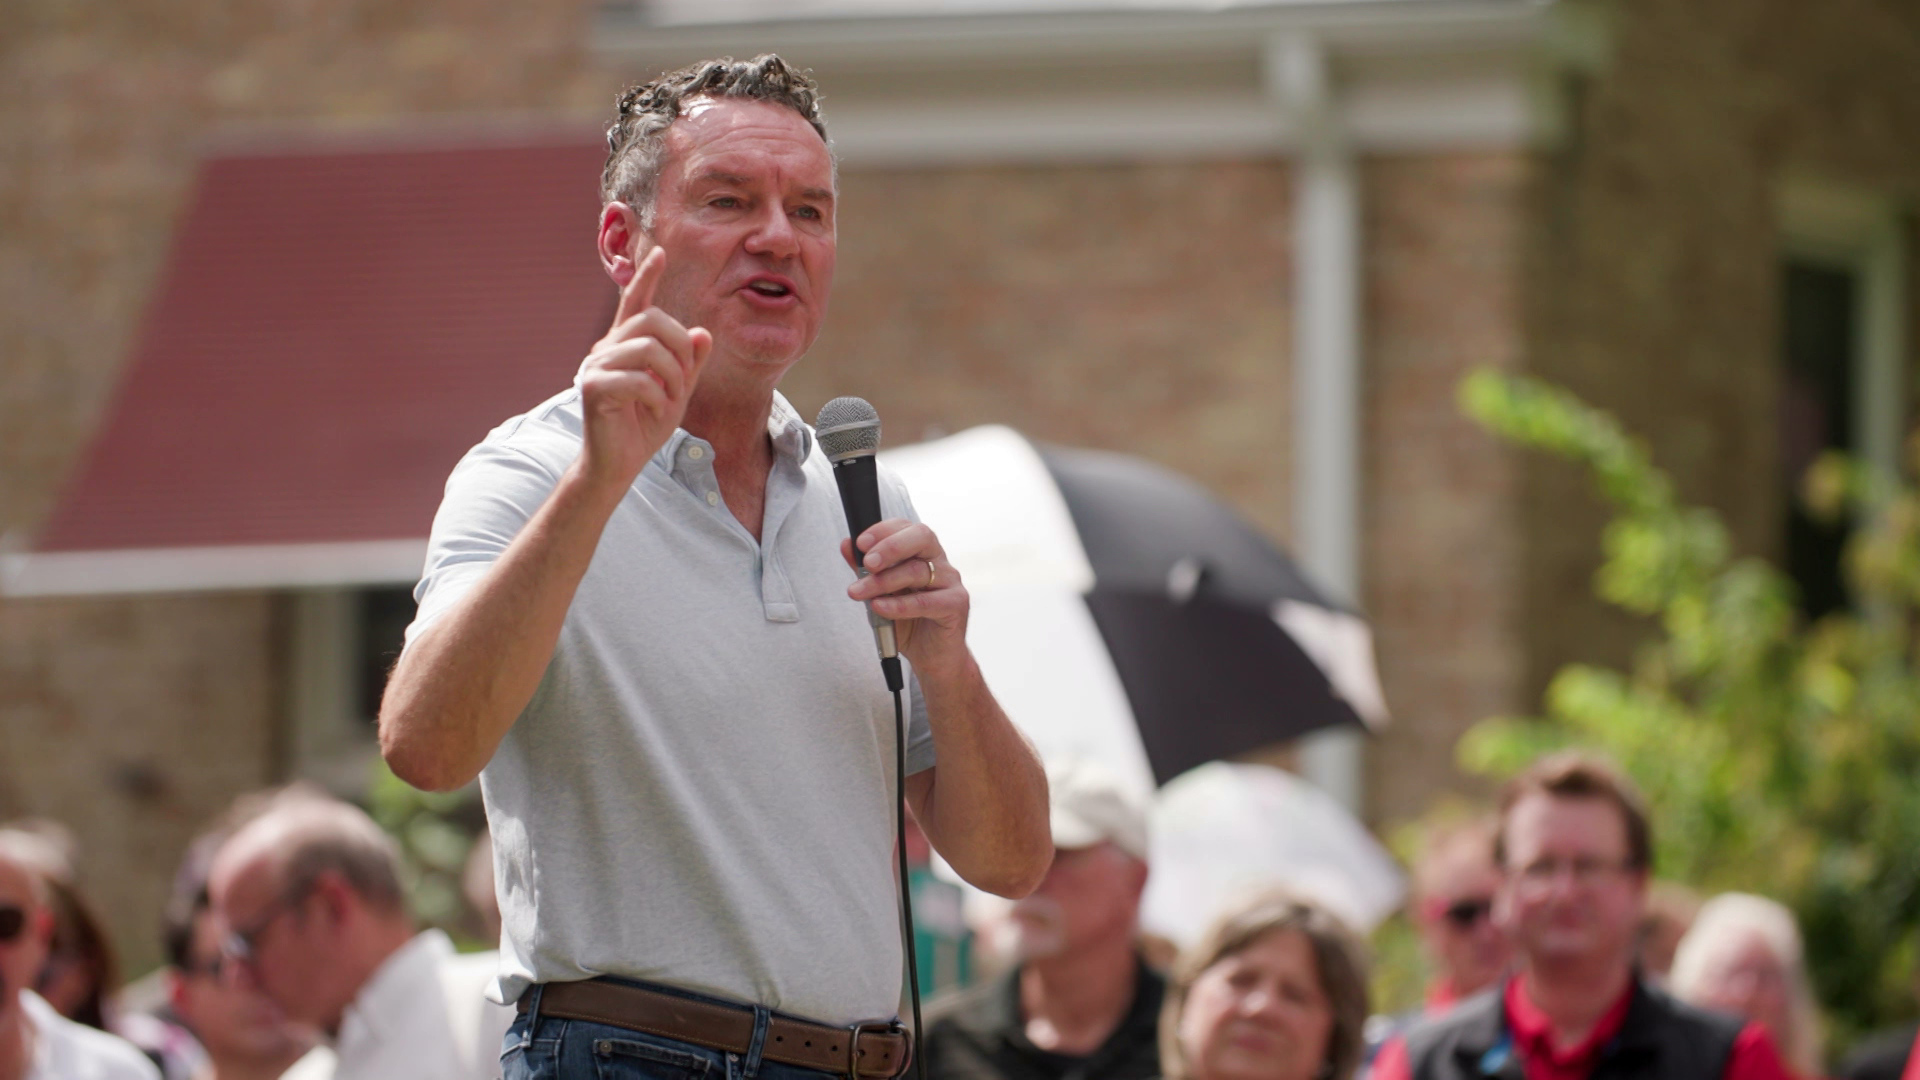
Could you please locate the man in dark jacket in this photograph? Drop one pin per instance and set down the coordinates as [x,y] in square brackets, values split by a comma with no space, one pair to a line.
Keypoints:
[1080,1005]
[1574,849]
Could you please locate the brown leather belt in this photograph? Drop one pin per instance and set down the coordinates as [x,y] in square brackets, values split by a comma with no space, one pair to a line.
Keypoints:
[879,1050]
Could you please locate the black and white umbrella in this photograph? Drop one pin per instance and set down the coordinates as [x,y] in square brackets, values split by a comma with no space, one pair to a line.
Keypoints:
[1124,615]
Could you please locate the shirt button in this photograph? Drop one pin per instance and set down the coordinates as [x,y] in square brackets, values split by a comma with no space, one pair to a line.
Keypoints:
[713,498]
[696,452]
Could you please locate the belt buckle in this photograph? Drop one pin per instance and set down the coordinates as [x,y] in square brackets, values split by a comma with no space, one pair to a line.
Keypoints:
[854,1031]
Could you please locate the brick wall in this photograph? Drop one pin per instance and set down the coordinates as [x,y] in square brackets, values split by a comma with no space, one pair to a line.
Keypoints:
[1443,547]
[1071,304]
[1655,257]
[134,720]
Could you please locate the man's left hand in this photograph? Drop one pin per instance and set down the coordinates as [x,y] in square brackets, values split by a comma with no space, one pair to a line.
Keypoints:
[910,581]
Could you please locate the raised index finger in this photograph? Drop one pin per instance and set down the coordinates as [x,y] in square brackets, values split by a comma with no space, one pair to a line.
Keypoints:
[638,295]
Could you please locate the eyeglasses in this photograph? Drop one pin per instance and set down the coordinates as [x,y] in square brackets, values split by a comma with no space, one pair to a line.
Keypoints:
[1585,872]
[239,945]
[212,969]
[13,920]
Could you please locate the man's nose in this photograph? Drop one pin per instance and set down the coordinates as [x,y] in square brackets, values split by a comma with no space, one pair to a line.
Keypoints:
[773,233]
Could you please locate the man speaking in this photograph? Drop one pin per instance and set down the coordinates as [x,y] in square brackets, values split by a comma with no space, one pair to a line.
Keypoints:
[638,627]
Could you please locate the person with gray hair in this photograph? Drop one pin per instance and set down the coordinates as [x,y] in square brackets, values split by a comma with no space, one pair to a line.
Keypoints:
[1080,1001]
[1743,955]
[308,892]
[641,627]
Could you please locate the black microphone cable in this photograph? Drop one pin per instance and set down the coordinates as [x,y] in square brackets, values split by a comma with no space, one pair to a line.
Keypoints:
[892,666]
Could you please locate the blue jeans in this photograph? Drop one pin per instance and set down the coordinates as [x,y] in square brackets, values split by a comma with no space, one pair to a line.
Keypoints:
[550,1048]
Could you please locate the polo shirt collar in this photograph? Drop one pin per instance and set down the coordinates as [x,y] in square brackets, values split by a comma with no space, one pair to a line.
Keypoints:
[792,438]
[1533,1031]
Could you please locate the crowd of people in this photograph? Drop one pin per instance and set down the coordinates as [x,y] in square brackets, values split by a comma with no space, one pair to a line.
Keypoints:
[290,953]
[1553,954]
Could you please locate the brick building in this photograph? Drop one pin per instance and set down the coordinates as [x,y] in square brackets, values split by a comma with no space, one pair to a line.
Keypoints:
[1258,242]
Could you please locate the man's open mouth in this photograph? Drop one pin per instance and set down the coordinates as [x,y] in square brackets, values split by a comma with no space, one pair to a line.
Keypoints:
[770,288]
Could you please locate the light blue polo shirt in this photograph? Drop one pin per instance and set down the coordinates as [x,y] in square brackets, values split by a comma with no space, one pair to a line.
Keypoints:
[700,792]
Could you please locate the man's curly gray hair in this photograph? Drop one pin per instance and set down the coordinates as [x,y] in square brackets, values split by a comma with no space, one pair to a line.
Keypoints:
[636,140]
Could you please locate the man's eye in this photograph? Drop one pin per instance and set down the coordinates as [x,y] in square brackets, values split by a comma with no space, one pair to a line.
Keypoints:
[726,202]
[810,212]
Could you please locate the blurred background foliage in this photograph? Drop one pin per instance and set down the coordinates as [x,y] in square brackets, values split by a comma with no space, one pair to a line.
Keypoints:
[436,832]
[1778,753]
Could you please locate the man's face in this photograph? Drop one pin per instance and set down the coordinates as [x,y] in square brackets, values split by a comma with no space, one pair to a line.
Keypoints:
[1456,917]
[279,942]
[230,1016]
[745,211]
[1089,895]
[25,927]
[1569,893]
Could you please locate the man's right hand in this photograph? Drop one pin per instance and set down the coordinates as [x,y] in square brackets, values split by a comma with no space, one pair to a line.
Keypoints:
[635,384]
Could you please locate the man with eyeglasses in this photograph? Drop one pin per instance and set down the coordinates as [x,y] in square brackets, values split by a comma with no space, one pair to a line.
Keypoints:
[37,1043]
[1574,849]
[309,894]
[244,1035]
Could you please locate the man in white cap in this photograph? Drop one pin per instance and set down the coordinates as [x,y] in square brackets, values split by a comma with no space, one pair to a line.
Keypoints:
[1080,1001]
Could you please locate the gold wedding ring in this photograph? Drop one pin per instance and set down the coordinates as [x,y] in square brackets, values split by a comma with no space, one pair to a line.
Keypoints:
[929,563]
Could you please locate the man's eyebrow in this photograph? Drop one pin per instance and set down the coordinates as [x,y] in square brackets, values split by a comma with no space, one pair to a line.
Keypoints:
[817,194]
[718,177]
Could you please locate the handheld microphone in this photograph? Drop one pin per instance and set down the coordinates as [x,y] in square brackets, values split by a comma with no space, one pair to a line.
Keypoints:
[849,432]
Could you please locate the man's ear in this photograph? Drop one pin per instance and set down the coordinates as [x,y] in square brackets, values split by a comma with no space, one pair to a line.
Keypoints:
[622,242]
[337,897]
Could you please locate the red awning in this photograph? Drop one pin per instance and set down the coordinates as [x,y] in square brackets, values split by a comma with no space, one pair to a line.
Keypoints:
[333,329]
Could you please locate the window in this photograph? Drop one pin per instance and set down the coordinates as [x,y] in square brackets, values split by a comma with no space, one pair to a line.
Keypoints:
[1843,316]
[343,644]
[1816,415]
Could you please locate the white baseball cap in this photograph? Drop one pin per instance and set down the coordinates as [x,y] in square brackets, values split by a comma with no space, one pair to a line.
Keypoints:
[1090,805]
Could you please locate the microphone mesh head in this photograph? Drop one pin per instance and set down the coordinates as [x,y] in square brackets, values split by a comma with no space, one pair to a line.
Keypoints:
[847,426]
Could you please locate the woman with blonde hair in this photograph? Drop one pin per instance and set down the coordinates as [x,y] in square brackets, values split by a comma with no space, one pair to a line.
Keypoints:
[1276,990]
[1743,955]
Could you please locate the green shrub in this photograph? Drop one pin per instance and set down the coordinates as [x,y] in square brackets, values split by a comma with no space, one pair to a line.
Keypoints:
[1778,754]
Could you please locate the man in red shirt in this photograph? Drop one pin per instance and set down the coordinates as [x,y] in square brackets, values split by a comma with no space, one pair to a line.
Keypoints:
[1574,849]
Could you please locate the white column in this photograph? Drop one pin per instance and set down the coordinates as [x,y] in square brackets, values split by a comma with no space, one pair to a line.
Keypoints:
[329,741]
[1326,363]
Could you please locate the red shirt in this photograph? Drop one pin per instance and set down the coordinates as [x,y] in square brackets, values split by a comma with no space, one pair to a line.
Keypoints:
[1753,1057]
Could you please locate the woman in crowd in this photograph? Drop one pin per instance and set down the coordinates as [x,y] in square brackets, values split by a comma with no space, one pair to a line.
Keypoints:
[1277,990]
[1743,956]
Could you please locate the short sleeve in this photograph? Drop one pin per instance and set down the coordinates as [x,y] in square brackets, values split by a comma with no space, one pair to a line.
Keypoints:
[490,497]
